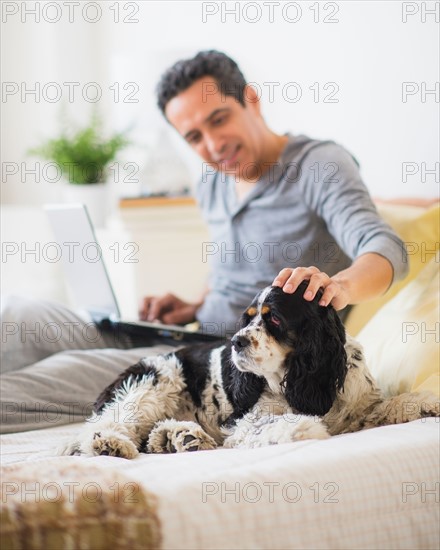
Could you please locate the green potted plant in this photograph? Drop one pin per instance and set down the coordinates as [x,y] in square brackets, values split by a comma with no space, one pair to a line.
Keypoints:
[84,158]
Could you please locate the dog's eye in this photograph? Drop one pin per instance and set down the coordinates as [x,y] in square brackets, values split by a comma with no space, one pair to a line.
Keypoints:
[274,320]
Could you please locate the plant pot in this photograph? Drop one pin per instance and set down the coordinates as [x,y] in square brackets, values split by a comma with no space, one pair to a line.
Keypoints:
[93,195]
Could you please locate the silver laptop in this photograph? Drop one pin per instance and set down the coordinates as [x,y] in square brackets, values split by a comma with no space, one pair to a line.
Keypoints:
[90,284]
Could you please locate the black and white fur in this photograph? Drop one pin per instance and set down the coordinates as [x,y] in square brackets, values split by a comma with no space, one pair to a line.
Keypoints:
[289,373]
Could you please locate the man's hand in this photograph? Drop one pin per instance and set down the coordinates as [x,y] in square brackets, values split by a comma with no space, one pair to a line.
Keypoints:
[370,275]
[168,309]
[289,279]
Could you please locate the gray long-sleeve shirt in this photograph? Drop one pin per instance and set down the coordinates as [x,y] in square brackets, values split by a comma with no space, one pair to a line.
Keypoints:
[309,208]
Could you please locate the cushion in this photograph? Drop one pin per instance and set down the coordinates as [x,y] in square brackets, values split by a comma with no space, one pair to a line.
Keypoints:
[419,228]
[401,340]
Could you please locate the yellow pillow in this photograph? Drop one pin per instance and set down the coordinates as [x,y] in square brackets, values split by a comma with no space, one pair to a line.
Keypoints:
[401,342]
[419,228]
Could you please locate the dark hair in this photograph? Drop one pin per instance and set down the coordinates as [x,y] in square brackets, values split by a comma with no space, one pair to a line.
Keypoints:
[207,63]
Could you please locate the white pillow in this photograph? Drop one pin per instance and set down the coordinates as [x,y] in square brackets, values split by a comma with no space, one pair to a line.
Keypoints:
[401,342]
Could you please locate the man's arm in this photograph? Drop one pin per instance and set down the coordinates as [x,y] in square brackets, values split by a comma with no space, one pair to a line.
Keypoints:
[344,204]
[369,276]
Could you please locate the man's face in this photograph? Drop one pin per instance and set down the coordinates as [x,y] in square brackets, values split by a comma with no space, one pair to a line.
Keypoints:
[220,130]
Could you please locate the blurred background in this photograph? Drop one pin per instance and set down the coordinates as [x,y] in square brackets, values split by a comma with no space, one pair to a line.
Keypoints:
[364,74]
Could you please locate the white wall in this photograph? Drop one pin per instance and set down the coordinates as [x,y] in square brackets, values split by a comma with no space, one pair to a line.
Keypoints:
[368,54]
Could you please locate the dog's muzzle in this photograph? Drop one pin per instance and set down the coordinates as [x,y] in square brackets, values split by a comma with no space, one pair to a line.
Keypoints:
[240,342]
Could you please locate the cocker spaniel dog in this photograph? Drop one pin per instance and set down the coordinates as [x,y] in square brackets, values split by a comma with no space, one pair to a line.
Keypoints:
[289,373]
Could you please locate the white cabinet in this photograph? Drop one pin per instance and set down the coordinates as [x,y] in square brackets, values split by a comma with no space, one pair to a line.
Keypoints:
[160,246]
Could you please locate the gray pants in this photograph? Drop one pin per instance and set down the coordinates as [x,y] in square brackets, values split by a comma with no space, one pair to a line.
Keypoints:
[55,363]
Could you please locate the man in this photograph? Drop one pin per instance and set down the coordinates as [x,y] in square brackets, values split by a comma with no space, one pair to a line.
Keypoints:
[301,203]
[280,208]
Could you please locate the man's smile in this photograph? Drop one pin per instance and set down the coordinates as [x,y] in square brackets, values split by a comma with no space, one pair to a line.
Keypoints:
[231,158]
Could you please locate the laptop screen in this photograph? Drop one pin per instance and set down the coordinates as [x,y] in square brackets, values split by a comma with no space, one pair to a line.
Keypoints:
[82,260]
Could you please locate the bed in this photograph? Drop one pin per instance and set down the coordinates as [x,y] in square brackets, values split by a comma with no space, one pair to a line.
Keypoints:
[377,488]
[372,489]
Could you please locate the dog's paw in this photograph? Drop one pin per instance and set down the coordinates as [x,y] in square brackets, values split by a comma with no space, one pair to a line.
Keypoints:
[270,430]
[293,427]
[430,408]
[69,448]
[112,444]
[407,407]
[309,428]
[171,436]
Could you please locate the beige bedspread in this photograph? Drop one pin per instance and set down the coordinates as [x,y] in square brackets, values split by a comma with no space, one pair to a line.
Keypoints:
[373,489]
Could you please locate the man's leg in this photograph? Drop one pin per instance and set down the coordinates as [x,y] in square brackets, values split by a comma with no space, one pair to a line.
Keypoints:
[32,330]
[63,387]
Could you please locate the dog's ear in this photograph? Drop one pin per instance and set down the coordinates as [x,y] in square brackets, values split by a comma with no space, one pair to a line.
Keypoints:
[316,368]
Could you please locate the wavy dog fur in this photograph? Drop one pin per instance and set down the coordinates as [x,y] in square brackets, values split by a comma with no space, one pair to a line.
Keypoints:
[289,373]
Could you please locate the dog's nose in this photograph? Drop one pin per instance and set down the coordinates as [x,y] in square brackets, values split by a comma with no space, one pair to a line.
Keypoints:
[239,342]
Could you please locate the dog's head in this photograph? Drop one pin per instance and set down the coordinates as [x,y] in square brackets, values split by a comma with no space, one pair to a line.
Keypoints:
[299,343]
